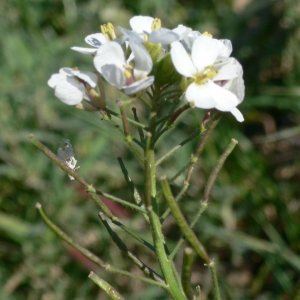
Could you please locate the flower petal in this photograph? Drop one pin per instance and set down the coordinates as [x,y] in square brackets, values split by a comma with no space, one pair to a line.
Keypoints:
[163,36]
[70,91]
[181,60]
[142,60]
[225,48]
[141,23]
[88,77]
[107,54]
[55,79]
[182,31]
[237,85]
[96,39]
[224,99]
[201,96]
[204,52]
[131,35]
[139,85]
[85,50]
[114,75]
[188,40]
[228,70]
[238,115]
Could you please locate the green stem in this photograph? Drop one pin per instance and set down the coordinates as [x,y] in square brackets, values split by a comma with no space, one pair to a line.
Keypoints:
[217,168]
[178,198]
[187,272]
[182,223]
[136,196]
[134,235]
[181,241]
[191,137]
[210,182]
[152,210]
[133,122]
[121,201]
[200,147]
[89,255]
[121,245]
[140,131]
[189,234]
[106,287]
[128,138]
[124,120]
[212,268]
[89,188]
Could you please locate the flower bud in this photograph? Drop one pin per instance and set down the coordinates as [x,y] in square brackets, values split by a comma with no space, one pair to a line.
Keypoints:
[153,49]
[164,71]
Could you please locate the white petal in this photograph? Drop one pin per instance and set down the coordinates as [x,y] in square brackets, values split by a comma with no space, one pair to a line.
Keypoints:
[55,79]
[238,115]
[66,71]
[224,99]
[142,60]
[163,36]
[182,31]
[188,40]
[96,39]
[141,23]
[200,95]
[181,60]
[204,52]
[85,50]
[88,77]
[225,48]
[139,85]
[70,91]
[131,35]
[111,53]
[114,75]
[237,86]
[228,72]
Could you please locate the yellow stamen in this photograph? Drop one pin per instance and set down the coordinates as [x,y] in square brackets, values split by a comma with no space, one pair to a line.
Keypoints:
[207,74]
[127,74]
[128,67]
[207,34]
[156,24]
[109,31]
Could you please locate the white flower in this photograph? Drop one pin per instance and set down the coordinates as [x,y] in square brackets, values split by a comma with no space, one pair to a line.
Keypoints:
[150,29]
[111,64]
[217,80]
[182,31]
[69,85]
[95,40]
[67,156]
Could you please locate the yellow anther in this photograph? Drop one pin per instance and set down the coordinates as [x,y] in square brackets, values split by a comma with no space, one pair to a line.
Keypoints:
[156,24]
[109,31]
[207,34]
[207,74]
[127,74]
[128,67]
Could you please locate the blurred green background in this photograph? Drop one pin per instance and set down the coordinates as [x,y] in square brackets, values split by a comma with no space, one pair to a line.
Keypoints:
[252,224]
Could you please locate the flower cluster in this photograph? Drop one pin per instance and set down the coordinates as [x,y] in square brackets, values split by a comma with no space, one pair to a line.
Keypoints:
[147,54]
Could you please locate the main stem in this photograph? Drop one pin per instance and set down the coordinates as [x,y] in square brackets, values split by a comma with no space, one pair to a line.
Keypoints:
[152,211]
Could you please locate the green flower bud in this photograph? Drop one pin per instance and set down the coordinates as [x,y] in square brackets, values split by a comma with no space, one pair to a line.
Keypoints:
[153,49]
[164,71]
